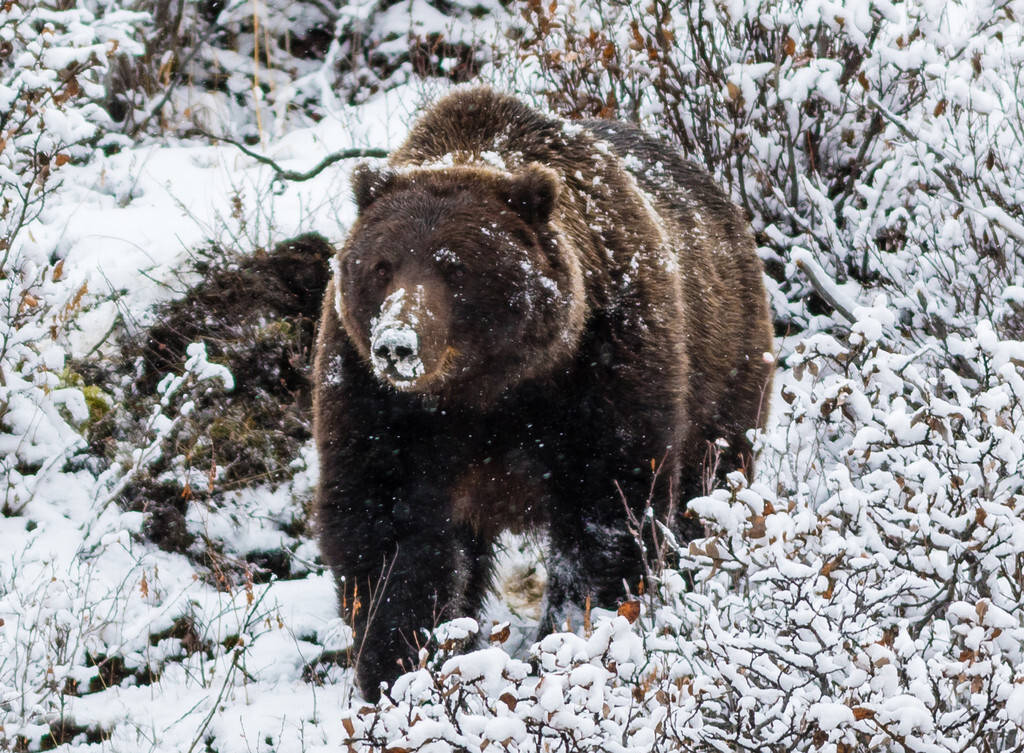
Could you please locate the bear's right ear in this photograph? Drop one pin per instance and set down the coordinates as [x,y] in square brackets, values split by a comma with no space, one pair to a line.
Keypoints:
[368,183]
[534,193]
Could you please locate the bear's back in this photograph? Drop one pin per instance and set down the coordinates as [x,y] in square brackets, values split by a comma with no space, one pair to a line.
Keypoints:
[665,175]
[479,125]
[722,278]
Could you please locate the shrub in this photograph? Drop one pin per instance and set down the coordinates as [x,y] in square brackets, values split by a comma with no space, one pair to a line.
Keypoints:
[52,62]
[255,69]
[883,137]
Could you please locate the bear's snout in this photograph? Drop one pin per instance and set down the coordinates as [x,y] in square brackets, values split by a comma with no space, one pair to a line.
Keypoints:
[394,341]
[405,343]
[396,352]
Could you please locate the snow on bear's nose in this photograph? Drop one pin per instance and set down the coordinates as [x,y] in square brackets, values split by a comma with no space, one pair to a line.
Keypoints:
[394,342]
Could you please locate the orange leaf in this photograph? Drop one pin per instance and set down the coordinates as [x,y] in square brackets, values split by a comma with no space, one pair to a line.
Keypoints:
[630,610]
[831,565]
[500,636]
[757,529]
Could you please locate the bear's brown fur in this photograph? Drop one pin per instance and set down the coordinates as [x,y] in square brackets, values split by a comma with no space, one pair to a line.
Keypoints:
[527,317]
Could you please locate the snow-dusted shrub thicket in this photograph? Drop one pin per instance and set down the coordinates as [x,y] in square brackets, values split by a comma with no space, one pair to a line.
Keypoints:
[884,137]
[52,63]
[255,69]
[867,592]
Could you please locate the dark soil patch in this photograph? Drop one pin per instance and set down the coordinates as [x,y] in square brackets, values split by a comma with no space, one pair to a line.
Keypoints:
[256,314]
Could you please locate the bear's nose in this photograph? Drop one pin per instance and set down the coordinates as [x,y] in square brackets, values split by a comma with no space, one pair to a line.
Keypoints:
[393,352]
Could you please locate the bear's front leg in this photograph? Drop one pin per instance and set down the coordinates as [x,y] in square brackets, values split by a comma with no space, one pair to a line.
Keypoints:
[401,565]
[595,546]
[383,513]
[619,453]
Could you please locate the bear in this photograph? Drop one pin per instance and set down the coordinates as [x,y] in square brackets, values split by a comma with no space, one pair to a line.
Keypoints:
[533,325]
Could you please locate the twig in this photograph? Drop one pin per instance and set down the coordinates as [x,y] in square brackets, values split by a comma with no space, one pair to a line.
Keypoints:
[376,597]
[107,334]
[237,655]
[908,131]
[821,283]
[1000,217]
[292,175]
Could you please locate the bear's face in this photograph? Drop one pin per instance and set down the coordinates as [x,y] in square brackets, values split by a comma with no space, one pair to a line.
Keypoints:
[453,280]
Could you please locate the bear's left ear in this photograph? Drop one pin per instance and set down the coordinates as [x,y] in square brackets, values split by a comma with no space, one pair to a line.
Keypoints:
[533,193]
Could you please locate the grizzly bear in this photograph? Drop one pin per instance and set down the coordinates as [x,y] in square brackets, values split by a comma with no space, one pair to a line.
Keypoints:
[533,324]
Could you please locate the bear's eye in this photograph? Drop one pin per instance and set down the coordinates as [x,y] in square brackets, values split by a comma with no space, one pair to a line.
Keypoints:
[382,270]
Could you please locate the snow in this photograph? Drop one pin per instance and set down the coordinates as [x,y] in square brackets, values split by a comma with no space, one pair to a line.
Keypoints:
[863,592]
[394,331]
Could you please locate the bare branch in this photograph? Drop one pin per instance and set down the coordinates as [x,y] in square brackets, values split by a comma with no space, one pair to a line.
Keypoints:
[823,285]
[293,175]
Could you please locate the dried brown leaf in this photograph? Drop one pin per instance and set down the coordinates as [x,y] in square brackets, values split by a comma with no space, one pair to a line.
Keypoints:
[500,633]
[630,610]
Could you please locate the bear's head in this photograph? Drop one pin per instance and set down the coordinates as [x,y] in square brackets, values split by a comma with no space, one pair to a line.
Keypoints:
[457,281]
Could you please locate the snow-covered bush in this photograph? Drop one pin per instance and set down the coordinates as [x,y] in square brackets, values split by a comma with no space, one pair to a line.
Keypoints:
[255,69]
[885,137]
[52,62]
[872,599]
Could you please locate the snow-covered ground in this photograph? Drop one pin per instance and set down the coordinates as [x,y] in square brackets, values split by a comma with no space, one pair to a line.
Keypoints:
[866,591]
[77,578]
